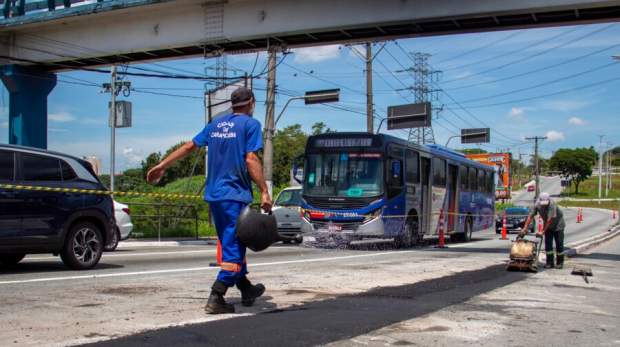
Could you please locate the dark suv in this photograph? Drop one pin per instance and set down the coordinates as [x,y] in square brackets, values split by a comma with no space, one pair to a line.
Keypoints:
[75,225]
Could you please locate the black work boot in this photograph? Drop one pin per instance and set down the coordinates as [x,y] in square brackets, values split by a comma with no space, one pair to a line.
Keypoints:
[249,292]
[216,303]
[560,262]
[549,262]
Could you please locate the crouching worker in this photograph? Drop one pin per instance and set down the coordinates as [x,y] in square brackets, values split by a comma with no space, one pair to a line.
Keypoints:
[553,221]
[232,165]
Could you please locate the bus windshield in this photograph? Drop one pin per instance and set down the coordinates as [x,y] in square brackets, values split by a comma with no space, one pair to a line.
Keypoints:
[350,174]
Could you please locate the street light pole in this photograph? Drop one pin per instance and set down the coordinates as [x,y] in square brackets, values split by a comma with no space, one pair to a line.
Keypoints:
[112,117]
[600,166]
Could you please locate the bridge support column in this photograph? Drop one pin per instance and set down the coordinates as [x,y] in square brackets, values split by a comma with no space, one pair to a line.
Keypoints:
[28,91]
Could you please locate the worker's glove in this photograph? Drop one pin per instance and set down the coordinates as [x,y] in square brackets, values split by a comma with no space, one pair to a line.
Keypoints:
[539,235]
[521,233]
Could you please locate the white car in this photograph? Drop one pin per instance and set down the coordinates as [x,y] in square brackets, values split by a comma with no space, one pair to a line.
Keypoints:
[123,225]
[286,209]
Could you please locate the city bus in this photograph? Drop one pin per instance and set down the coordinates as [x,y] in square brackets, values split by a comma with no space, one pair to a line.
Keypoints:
[357,186]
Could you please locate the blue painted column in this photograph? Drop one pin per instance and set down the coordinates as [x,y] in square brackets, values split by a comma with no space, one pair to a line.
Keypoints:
[28,89]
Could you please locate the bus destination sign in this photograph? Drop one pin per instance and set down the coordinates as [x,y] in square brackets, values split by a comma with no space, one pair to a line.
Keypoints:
[344,142]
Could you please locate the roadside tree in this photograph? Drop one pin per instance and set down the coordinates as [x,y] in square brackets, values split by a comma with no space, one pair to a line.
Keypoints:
[574,163]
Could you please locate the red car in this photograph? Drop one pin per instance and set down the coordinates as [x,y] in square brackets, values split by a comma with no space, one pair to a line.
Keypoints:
[531,188]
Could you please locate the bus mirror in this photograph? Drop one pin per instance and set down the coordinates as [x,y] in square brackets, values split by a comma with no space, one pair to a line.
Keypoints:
[395,168]
[296,169]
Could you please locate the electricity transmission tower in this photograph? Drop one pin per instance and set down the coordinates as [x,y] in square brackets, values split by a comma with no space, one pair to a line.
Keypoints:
[423,77]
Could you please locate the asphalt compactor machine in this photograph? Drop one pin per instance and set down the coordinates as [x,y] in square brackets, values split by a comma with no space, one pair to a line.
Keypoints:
[524,255]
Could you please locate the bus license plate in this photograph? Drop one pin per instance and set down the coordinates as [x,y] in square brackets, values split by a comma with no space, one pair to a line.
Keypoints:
[334,227]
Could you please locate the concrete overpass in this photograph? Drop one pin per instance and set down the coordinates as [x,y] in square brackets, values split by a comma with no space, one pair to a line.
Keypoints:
[40,38]
[131,31]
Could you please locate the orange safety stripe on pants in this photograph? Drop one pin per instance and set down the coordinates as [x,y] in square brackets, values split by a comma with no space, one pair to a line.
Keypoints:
[230,267]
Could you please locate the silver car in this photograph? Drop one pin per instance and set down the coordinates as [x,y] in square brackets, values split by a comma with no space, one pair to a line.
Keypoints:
[287,211]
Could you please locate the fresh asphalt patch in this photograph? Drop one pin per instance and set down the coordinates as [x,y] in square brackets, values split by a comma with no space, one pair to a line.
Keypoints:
[331,320]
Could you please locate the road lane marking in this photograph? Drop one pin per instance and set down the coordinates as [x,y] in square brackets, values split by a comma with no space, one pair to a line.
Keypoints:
[51,279]
[105,255]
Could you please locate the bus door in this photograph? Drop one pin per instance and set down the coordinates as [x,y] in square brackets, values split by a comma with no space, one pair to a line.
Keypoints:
[453,197]
[425,169]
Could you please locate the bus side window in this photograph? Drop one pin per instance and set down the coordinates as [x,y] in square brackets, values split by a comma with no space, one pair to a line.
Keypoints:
[473,173]
[464,178]
[412,172]
[439,172]
[490,182]
[481,182]
[395,160]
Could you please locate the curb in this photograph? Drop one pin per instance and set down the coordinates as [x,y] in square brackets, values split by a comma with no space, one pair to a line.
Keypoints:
[124,244]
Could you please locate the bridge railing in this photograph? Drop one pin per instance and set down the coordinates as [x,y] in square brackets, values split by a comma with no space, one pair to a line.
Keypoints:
[15,8]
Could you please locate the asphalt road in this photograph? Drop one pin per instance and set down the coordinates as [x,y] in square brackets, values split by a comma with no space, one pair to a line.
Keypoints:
[156,295]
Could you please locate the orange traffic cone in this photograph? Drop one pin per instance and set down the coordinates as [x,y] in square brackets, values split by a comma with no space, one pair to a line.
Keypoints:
[579,215]
[504,229]
[219,255]
[614,216]
[441,231]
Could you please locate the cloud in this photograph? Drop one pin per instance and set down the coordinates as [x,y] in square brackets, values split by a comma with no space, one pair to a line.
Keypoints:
[517,114]
[554,136]
[316,54]
[578,121]
[133,157]
[93,121]
[60,117]
[4,124]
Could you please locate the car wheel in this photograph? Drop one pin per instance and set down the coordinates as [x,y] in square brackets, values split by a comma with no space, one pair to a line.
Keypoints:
[115,240]
[83,247]
[469,229]
[11,259]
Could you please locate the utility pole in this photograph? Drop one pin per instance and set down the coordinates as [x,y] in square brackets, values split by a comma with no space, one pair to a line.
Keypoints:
[600,166]
[369,101]
[112,117]
[536,139]
[520,164]
[269,120]
[609,177]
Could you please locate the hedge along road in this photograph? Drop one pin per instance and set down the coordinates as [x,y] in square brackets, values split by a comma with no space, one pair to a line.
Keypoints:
[314,296]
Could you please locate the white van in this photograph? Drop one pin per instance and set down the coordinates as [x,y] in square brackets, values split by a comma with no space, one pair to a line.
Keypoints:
[286,209]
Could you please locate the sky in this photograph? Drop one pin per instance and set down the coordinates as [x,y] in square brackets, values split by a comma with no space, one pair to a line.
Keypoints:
[561,83]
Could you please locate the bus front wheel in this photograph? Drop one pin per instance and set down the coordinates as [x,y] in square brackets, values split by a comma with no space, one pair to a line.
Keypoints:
[410,236]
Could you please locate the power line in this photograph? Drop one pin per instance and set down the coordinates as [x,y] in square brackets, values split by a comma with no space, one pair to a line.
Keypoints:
[542,84]
[483,47]
[535,71]
[535,55]
[516,50]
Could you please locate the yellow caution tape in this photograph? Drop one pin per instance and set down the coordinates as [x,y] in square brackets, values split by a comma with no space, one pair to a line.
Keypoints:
[91,191]
[179,196]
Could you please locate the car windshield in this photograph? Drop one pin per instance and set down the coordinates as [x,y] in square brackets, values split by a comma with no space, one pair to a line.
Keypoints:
[289,198]
[352,174]
[516,213]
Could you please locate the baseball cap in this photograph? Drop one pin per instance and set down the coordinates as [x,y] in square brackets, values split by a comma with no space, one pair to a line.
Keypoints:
[241,97]
[544,198]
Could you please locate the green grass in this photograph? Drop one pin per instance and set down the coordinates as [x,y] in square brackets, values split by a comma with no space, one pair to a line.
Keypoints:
[588,189]
[608,205]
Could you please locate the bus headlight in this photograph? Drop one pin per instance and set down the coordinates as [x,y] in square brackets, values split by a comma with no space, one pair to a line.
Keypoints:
[373,215]
[306,215]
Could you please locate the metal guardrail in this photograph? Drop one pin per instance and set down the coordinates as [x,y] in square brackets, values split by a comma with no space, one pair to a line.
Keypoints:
[161,216]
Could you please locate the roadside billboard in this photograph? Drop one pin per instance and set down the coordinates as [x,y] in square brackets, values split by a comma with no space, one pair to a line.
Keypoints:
[501,164]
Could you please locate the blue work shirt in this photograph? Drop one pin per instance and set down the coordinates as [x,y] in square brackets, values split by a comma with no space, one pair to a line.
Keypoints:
[229,139]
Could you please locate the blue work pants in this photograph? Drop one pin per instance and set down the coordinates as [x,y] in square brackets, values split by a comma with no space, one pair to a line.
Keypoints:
[233,265]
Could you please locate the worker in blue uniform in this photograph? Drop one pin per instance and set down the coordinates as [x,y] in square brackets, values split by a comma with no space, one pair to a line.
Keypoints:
[232,164]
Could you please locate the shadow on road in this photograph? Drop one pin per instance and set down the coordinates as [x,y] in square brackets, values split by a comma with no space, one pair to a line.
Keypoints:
[335,319]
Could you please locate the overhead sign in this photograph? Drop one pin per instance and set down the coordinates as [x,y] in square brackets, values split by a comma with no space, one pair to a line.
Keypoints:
[322,96]
[409,116]
[481,135]
[501,165]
